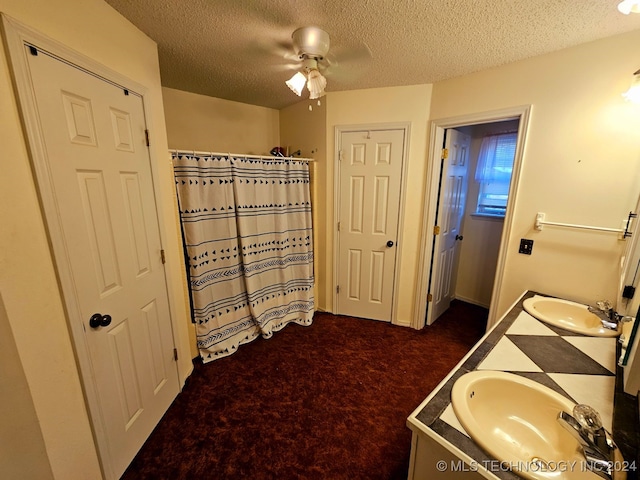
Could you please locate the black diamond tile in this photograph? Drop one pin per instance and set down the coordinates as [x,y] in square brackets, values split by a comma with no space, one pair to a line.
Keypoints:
[434,408]
[561,331]
[556,355]
[472,449]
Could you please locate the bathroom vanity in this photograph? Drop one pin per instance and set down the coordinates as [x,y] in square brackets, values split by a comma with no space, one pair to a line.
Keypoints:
[582,368]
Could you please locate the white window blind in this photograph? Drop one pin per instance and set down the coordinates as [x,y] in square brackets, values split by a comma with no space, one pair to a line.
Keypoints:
[493,173]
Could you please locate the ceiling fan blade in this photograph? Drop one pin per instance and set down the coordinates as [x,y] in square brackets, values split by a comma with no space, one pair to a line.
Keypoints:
[347,63]
[267,51]
[285,67]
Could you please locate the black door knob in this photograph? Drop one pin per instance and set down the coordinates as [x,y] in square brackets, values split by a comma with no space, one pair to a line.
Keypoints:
[99,320]
[390,243]
[459,237]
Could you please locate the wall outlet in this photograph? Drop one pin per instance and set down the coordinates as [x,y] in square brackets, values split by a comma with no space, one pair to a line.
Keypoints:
[526,246]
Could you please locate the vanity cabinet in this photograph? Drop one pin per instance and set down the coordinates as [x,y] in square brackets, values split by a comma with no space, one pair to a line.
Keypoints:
[579,367]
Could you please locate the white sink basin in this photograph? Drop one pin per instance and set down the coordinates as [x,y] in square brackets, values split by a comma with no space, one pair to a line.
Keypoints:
[514,419]
[571,316]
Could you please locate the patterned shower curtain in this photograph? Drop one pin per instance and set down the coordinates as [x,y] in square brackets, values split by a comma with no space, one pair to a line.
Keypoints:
[248,240]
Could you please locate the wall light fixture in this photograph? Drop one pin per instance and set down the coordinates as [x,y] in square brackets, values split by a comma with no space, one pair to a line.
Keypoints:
[629,6]
[633,94]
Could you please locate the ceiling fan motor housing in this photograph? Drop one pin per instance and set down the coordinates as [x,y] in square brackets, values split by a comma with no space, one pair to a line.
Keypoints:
[310,42]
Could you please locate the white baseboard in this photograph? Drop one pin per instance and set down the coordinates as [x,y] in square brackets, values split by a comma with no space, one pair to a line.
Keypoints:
[471,301]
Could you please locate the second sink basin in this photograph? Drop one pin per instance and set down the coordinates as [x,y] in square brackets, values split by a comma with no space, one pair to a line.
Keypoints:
[571,316]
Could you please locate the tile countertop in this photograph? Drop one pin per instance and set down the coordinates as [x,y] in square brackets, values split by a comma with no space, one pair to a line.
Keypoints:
[579,367]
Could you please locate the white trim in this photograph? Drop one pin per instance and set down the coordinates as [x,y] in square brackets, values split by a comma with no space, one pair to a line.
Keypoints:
[16,35]
[172,270]
[471,301]
[438,127]
[338,131]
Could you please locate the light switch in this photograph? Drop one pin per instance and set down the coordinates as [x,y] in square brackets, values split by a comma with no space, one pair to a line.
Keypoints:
[526,246]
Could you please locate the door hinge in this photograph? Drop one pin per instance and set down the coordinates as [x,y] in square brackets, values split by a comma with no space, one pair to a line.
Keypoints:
[175,354]
[436,230]
[33,50]
[445,153]
[340,155]
[146,137]
[162,256]
[338,289]
[429,297]
[338,226]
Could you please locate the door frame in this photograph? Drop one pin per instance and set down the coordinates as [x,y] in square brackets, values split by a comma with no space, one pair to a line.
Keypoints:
[338,131]
[436,138]
[16,35]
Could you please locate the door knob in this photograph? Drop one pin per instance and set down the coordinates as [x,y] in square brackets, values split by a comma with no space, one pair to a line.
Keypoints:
[99,320]
[390,243]
[459,237]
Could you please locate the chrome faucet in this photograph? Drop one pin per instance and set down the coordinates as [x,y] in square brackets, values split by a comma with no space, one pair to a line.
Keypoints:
[608,316]
[597,445]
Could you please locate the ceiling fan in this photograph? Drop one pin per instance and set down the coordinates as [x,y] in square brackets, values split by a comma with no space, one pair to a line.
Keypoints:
[311,46]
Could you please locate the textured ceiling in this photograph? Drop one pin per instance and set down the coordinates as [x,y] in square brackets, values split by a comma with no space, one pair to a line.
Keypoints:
[236,49]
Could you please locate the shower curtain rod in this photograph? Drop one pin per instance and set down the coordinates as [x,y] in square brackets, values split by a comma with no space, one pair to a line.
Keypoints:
[228,154]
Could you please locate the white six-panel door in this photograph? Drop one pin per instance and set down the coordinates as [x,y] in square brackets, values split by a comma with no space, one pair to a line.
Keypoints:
[99,166]
[450,213]
[370,181]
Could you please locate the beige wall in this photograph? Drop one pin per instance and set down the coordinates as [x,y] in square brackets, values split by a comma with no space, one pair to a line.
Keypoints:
[23,454]
[304,130]
[199,122]
[371,106]
[33,303]
[581,161]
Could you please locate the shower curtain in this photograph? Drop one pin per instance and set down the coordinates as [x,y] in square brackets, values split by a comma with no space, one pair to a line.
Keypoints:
[248,240]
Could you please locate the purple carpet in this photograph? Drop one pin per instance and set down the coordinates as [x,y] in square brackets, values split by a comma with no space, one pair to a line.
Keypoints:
[329,401]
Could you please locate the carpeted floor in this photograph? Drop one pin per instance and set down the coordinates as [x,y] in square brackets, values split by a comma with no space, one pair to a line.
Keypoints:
[329,401]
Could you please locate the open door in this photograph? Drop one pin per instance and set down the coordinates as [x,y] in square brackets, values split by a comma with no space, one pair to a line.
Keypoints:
[446,232]
[433,247]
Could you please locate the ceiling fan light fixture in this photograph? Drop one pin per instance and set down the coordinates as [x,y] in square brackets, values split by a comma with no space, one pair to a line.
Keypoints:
[316,84]
[297,83]
[311,41]
[629,6]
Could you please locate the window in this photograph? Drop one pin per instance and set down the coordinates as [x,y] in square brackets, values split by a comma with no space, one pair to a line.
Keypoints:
[493,173]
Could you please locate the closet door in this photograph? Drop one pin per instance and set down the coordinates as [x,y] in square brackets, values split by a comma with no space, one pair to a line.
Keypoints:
[370,181]
[100,173]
